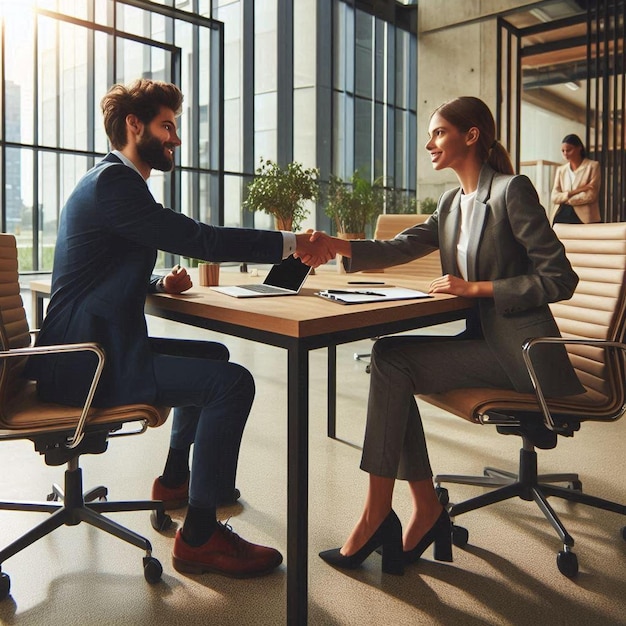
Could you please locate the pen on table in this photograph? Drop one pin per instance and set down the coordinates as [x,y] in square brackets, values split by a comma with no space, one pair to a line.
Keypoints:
[364,282]
[356,293]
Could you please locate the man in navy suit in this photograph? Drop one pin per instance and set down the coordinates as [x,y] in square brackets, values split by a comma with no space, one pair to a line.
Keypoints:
[109,233]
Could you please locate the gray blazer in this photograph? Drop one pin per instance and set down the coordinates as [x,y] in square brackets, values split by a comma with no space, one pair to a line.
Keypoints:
[512,245]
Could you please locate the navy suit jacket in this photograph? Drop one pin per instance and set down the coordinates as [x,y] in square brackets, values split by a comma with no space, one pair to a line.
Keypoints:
[109,233]
[511,244]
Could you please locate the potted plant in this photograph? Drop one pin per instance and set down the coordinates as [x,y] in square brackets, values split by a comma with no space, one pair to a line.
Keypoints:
[281,192]
[354,205]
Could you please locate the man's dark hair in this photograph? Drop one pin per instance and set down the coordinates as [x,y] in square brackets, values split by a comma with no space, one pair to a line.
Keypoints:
[143,98]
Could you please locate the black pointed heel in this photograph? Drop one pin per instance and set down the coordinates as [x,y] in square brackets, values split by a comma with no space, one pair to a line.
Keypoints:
[441,535]
[388,535]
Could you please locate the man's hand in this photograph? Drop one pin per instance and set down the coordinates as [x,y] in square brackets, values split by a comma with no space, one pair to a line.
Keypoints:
[316,247]
[177,280]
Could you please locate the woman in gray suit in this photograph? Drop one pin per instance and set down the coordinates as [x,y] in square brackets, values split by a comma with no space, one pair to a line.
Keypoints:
[497,247]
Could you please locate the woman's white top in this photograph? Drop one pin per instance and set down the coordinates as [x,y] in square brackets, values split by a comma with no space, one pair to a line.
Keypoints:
[468,215]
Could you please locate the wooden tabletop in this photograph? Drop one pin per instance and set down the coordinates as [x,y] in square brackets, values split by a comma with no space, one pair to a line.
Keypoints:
[304,315]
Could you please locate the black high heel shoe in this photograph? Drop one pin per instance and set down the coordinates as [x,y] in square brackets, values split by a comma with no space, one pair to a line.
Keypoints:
[440,534]
[388,535]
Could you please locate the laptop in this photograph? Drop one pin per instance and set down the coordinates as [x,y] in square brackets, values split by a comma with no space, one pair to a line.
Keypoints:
[284,279]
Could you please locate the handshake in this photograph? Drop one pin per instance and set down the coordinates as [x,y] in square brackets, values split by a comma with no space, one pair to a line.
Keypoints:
[315,247]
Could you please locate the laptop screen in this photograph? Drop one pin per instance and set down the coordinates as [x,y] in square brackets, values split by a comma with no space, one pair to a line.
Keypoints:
[289,274]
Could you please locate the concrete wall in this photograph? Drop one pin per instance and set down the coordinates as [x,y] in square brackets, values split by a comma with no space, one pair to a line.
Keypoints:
[456,57]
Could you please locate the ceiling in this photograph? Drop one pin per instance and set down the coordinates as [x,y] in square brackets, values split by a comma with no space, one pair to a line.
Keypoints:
[554,60]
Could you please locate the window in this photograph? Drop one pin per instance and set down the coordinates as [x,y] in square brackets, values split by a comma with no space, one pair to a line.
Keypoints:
[58,60]
[374,104]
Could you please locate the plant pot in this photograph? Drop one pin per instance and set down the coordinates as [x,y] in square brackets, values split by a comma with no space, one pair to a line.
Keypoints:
[339,257]
[283,223]
[208,274]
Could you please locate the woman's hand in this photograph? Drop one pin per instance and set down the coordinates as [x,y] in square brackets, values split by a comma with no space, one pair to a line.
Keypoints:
[458,287]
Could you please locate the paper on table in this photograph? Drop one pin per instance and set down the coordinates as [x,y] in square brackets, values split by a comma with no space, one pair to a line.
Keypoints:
[361,296]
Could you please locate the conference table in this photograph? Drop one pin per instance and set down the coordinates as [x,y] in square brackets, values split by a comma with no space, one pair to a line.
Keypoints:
[298,324]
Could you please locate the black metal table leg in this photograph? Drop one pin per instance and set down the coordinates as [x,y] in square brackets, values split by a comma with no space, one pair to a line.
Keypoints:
[297,483]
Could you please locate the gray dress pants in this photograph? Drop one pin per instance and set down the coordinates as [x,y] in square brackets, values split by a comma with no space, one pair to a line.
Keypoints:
[402,366]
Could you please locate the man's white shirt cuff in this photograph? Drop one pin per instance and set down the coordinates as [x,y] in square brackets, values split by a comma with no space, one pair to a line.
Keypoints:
[289,243]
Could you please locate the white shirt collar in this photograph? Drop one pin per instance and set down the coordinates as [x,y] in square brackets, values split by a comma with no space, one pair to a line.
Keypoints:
[126,161]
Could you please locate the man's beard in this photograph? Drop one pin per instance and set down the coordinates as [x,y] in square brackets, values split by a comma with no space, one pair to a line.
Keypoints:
[152,151]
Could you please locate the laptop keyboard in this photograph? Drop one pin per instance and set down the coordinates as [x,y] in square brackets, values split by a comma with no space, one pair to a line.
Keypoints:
[263,289]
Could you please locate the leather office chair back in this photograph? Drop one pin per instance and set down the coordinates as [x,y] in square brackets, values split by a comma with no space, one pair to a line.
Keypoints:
[14,331]
[597,310]
[388,225]
[20,409]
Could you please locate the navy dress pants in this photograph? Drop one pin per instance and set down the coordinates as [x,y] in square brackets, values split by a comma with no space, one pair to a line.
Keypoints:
[212,398]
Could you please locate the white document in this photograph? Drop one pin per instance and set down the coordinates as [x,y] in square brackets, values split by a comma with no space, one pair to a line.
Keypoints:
[360,296]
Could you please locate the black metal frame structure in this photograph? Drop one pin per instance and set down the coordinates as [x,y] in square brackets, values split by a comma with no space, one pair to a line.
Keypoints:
[604,73]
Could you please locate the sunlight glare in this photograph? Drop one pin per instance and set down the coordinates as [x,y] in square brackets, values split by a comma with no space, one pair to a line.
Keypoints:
[13,8]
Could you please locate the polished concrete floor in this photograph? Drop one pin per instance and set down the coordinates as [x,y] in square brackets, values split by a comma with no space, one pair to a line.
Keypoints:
[506,575]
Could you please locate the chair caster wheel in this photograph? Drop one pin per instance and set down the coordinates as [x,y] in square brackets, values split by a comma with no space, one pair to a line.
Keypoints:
[575,485]
[624,533]
[52,497]
[567,562]
[442,495]
[5,585]
[160,520]
[460,536]
[152,570]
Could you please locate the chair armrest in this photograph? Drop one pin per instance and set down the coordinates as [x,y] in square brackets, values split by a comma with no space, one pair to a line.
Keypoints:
[530,343]
[62,348]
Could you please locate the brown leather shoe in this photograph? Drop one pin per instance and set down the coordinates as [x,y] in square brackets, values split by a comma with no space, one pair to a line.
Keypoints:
[225,553]
[173,497]
[178,497]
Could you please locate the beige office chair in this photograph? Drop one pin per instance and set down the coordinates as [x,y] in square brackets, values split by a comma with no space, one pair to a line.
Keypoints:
[61,433]
[592,324]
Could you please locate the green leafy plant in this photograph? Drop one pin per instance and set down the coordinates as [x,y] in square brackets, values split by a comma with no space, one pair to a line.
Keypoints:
[281,192]
[354,205]
[428,206]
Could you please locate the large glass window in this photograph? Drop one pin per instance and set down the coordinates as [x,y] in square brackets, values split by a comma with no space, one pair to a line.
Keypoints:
[351,77]
[375,102]
[58,60]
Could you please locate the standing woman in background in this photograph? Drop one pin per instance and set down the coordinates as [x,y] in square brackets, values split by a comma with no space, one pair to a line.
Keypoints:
[576,186]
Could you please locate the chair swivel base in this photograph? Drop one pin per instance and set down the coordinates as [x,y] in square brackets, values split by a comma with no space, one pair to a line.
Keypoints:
[527,485]
[70,506]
